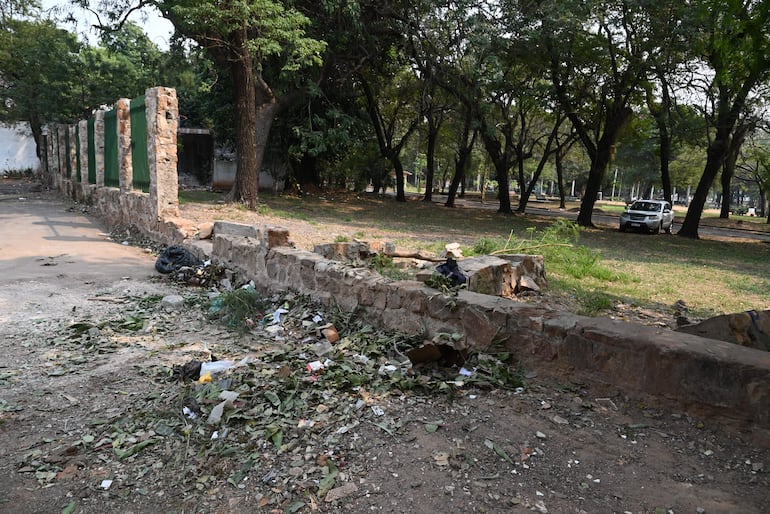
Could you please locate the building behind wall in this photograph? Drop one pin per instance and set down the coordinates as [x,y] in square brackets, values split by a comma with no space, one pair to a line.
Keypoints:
[17,149]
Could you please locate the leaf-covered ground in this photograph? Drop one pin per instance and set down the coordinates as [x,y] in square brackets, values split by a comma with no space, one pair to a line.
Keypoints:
[104,410]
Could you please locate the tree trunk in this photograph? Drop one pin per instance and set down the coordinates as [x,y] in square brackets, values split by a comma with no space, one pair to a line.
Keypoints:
[455,184]
[37,134]
[395,159]
[525,195]
[246,186]
[725,181]
[503,189]
[464,148]
[595,180]
[502,164]
[661,114]
[430,157]
[716,155]
[559,162]
[665,158]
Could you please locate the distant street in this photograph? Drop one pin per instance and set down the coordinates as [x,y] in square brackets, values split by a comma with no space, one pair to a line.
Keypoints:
[551,209]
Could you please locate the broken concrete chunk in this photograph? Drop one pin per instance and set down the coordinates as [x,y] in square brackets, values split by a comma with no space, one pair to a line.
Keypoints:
[488,274]
[173,302]
[276,236]
[205,230]
[750,328]
[227,228]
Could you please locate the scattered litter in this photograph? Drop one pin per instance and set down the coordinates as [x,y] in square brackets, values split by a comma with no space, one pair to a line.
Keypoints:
[466,372]
[314,366]
[377,411]
[540,435]
[322,348]
[607,403]
[188,413]
[227,397]
[106,484]
[331,334]
[174,258]
[388,369]
[276,315]
[216,367]
[305,423]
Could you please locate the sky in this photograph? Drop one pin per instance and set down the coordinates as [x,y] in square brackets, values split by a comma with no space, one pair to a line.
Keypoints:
[157,28]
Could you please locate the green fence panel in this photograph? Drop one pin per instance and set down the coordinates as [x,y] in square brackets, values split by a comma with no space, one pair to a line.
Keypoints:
[78,178]
[139,160]
[111,165]
[67,161]
[91,153]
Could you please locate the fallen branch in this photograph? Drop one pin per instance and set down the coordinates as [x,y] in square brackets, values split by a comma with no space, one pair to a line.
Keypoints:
[525,249]
[415,255]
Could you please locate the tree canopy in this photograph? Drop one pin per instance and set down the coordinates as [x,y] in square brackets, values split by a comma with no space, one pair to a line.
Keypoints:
[664,92]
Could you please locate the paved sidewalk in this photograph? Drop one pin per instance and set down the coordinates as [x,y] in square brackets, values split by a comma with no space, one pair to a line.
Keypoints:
[43,238]
[55,260]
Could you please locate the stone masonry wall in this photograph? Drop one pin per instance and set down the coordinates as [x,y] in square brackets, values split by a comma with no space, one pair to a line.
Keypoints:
[154,213]
[701,375]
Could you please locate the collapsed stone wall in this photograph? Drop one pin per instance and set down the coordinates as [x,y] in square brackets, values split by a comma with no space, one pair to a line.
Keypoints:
[702,375]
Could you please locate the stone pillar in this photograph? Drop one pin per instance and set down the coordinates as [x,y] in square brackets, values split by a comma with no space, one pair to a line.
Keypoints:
[83,151]
[72,156]
[50,140]
[126,173]
[162,123]
[99,147]
[62,155]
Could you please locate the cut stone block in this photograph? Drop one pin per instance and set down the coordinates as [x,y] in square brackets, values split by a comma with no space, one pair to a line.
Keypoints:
[750,328]
[354,250]
[488,274]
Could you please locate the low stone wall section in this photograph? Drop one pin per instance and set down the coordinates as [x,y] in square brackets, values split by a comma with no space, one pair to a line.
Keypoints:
[703,376]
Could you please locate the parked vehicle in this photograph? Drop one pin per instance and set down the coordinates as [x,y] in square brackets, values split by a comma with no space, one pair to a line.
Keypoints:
[649,216]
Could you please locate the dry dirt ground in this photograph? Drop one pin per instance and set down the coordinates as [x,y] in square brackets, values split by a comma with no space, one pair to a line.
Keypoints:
[93,419]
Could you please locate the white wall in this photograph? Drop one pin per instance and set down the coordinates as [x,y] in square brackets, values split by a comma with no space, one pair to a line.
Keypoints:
[17,148]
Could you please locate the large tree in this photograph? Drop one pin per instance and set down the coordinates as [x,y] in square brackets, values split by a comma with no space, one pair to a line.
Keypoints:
[599,53]
[733,41]
[36,83]
[261,44]
[390,101]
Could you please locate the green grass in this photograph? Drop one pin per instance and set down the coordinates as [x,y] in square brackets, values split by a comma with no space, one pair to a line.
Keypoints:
[199,196]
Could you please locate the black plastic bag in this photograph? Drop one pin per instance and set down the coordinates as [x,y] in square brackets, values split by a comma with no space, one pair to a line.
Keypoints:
[175,257]
[451,270]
